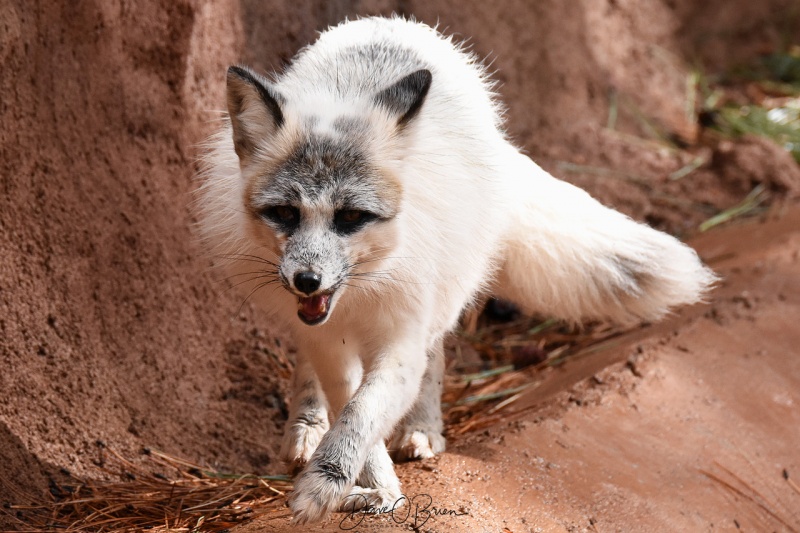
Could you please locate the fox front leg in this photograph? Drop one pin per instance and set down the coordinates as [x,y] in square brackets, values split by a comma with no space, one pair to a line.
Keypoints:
[419,434]
[308,417]
[377,485]
[354,442]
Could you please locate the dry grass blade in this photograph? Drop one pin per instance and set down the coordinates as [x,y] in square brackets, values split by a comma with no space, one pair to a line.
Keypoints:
[685,170]
[492,372]
[748,206]
[492,395]
[144,499]
[516,353]
[603,171]
[613,109]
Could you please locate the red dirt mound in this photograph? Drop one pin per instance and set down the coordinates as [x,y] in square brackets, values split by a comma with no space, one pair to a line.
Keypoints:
[112,328]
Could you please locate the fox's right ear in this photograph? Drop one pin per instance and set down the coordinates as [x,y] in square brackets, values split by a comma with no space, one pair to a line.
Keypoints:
[254,108]
[405,98]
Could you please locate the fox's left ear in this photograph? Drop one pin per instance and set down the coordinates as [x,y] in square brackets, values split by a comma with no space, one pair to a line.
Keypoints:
[254,108]
[405,97]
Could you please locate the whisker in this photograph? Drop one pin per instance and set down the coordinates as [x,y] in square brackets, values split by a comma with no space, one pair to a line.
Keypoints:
[259,286]
[268,272]
[355,286]
[387,258]
[249,280]
[386,277]
[371,282]
[249,257]
[376,282]
[384,274]
[372,273]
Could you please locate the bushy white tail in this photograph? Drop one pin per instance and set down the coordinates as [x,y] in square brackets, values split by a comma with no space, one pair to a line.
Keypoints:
[570,257]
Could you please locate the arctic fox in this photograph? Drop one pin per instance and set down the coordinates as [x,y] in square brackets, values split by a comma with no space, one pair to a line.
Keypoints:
[364,198]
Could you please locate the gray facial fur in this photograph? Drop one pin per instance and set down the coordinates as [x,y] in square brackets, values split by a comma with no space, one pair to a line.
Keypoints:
[323,171]
[320,177]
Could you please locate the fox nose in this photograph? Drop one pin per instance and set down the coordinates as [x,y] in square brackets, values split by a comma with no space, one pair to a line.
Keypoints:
[307,282]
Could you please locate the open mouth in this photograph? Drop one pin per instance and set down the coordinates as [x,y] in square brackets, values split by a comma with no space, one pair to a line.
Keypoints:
[313,309]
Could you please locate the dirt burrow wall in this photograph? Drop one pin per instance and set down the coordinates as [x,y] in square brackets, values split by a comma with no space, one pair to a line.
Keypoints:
[112,327]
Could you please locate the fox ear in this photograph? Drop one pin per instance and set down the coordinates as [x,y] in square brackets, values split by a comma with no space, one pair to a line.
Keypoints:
[405,97]
[254,108]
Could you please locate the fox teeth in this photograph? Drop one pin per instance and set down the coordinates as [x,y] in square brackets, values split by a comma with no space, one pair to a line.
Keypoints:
[322,304]
[314,306]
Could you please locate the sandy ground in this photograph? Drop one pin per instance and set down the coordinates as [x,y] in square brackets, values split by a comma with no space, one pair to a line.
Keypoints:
[685,426]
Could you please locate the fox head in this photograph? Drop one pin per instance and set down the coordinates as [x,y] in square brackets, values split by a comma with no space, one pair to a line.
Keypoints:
[315,193]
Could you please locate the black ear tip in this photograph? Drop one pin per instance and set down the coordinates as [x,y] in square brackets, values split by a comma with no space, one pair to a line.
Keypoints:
[235,72]
[421,80]
[241,81]
[406,96]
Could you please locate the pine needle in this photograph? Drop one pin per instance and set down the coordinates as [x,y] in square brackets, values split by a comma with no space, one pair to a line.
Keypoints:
[487,373]
[196,500]
[492,396]
[748,206]
[685,170]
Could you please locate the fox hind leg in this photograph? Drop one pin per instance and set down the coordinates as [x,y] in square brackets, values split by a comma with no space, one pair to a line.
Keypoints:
[308,417]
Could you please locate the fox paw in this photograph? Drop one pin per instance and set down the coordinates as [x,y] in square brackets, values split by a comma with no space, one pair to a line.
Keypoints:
[300,441]
[316,494]
[420,444]
[371,500]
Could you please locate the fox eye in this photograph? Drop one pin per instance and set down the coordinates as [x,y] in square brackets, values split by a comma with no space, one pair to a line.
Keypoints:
[286,216]
[349,221]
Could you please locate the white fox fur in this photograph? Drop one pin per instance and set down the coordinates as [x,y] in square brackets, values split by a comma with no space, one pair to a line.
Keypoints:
[452,210]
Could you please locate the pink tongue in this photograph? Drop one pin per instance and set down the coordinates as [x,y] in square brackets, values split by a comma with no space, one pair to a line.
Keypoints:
[314,307]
